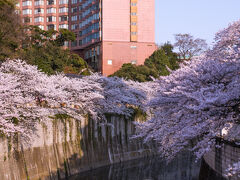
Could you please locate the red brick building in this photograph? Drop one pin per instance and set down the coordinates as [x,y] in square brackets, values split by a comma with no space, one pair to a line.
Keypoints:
[109,32]
[47,14]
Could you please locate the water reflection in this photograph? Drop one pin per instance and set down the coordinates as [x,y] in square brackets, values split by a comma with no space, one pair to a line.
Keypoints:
[182,167]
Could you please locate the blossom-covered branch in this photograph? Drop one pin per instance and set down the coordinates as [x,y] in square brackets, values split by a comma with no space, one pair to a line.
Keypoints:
[28,96]
[193,104]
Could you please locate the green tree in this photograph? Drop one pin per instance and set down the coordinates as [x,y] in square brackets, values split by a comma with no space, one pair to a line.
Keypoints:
[36,46]
[172,56]
[64,35]
[140,73]
[44,49]
[10,29]
[39,37]
[10,3]
[158,61]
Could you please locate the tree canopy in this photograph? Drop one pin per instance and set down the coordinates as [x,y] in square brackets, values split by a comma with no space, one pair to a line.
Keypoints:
[36,46]
[28,96]
[192,105]
[44,49]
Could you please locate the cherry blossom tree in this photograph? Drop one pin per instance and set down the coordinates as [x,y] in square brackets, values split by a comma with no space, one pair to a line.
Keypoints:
[187,109]
[28,96]
[192,105]
[234,169]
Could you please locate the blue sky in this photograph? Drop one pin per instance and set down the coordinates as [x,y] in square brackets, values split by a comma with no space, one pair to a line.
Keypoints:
[200,18]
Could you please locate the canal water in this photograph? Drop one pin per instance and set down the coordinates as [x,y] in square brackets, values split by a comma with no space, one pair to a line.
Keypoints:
[183,167]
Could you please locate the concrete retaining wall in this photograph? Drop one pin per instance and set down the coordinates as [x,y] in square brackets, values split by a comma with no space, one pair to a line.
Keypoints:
[219,159]
[65,147]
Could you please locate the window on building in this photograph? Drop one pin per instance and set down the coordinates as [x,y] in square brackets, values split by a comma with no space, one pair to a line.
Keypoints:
[17,11]
[51,26]
[63,10]
[134,61]
[133,33]
[51,19]
[74,43]
[41,27]
[74,1]
[80,42]
[39,11]
[65,43]
[63,2]
[39,2]
[74,18]
[74,26]
[133,23]
[39,19]
[109,62]
[86,55]
[133,13]
[85,4]
[80,16]
[63,18]
[50,2]
[133,4]
[51,10]
[89,20]
[27,3]
[80,8]
[27,11]
[27,20]
[74,9]
[63,26]
[98,50]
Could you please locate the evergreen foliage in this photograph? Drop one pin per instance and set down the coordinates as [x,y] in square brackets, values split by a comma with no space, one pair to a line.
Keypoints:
[36,46]
[136,73]
[42,49]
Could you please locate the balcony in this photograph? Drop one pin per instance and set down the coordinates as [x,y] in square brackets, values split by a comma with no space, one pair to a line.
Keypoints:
[39,3]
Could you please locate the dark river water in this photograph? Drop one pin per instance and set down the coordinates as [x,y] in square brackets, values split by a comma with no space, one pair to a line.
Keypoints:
[182,167]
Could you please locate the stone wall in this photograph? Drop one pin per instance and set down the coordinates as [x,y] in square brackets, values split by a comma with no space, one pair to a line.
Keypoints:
[218,159]
[66,146]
